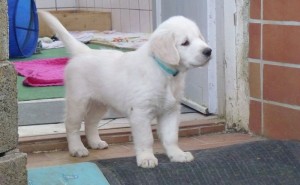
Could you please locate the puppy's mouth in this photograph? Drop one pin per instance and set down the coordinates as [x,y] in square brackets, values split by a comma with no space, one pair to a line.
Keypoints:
[202,63]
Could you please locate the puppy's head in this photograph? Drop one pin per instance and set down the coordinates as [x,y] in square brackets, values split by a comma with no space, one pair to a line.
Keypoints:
[179,42]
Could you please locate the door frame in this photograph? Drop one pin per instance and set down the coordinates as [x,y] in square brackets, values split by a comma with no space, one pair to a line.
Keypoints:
[236,19]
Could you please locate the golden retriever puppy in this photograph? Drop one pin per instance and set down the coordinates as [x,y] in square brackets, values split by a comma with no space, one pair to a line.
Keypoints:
[144,84]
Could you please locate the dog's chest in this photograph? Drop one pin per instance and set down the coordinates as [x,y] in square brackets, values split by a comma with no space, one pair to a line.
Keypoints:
[170,97]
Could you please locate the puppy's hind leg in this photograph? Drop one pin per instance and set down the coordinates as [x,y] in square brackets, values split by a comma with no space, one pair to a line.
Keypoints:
[92,118]
[74,117]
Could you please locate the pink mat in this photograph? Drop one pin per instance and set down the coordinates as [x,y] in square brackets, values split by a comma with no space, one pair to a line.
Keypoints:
[42,72]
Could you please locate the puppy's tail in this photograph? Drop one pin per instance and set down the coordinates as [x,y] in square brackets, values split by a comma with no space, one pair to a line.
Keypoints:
[73,46]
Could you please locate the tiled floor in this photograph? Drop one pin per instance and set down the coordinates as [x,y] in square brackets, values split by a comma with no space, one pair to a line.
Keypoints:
[125,150]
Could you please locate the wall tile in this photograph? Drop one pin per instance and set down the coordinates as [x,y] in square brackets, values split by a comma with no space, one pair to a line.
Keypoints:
[90,3]
[45,4]
[91,9]
[124,4]
[281,84]
[281,122]
[116,19]
[134,4]
[151,21]
[115,3]
[281,10]
[125,20]
[67,4]
[82,3]
[255,9]
[144,4]
[255,124]
[106,4]
[106,10]
[281,43]
[145,21]
[254,41]
[150,3]
[99,4]
[134,21]
[254,80]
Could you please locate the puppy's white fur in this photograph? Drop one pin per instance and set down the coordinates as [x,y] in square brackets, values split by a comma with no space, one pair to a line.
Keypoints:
[133,84]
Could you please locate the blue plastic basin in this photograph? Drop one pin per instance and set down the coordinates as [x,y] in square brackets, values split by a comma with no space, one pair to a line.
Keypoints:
[23,28]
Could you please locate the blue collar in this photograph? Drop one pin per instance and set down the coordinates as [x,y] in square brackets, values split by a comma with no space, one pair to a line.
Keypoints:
[165,67]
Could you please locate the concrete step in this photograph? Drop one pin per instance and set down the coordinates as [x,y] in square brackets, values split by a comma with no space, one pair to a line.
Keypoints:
[57,142]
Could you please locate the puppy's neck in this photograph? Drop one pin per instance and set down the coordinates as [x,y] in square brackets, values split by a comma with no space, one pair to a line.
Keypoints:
[165,67]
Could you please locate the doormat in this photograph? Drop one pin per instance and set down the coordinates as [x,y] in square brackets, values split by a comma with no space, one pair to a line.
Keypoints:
[260,162]
[74,174]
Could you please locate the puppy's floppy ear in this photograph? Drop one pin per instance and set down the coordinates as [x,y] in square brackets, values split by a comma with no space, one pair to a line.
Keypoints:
[201,37]
[163,47]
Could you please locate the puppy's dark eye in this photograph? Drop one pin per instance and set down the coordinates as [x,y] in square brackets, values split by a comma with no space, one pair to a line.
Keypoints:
[186,43]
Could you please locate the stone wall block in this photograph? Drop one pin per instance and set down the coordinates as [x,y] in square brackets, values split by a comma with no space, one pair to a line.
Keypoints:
[8,108]
[13,168]
[3,31]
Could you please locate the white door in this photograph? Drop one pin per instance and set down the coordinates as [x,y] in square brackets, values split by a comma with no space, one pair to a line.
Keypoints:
[196,91]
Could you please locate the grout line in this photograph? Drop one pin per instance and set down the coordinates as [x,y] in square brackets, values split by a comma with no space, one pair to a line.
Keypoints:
[226,141]
[274,63]
[77,4]
[139,17]
[94,7]
[253,60]
[255,99]
[289,106]
[123,145]
[295,107]
[56,5]
[282,64]
[110,7]
[280,23]
[133,9]
[262,67]
[120,17]
[199,140]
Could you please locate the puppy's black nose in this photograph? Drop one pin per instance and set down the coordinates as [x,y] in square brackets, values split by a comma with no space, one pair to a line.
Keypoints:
[207,52]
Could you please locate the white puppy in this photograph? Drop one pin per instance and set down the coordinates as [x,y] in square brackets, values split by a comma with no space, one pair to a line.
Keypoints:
[144,84]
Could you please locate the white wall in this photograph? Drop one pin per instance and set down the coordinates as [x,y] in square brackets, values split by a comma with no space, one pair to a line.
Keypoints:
[127,15]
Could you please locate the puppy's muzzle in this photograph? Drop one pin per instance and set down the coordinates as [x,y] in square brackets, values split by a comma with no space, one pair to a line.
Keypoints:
[207,52]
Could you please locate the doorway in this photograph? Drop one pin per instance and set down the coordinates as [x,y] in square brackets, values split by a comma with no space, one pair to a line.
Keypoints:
[204,89]
[204,86]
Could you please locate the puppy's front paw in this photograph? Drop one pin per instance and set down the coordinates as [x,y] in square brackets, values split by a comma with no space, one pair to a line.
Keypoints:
[181,157]
[98,145]
[147,160]
[79,152]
